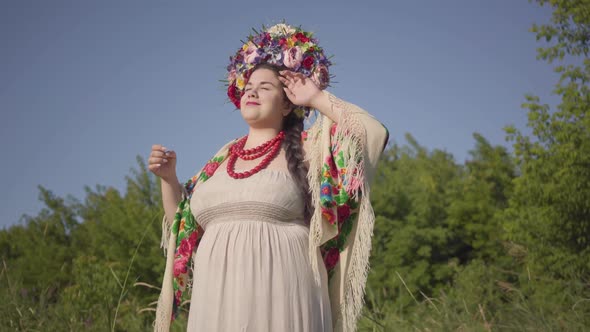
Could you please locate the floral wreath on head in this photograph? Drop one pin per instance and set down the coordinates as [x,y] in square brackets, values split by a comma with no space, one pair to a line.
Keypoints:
[279,45]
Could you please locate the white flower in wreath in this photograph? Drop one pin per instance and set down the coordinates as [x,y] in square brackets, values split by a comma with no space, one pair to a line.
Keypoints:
[280,30]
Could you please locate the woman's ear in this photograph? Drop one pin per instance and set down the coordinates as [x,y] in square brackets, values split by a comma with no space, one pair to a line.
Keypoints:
[288,107]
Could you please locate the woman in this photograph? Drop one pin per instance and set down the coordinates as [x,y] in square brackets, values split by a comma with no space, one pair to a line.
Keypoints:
[270,207]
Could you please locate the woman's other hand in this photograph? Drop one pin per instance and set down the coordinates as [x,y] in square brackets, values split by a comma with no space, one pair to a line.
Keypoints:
[300,89]
[162,162]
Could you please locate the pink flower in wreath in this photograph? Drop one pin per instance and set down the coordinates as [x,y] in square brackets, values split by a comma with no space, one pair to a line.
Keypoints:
[250,52]
[211,167]
[292,57]
[332,257]
[320,77]
[232,75]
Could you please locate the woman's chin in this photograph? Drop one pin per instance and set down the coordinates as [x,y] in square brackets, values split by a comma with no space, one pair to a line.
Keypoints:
[249,114]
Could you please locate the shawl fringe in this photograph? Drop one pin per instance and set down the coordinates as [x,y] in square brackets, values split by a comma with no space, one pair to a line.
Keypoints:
[351,135]
[319,131]
[351,139]
[166,298]
[354,287]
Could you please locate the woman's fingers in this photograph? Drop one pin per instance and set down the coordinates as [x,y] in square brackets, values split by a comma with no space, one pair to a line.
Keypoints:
[160,155]
[163,152]
[285,81]
[157,160]
[290,94]
[162,162]
[288,75]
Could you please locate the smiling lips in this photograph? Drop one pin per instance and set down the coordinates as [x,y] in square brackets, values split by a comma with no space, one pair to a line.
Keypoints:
[252,103]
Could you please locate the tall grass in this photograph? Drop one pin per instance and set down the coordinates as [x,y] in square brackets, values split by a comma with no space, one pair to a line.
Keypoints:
[480,300]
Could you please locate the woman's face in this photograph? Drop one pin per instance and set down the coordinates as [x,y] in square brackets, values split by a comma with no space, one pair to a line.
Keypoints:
[263,104]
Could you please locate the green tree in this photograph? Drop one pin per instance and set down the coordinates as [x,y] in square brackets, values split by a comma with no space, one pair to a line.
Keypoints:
[412,242]
[74,266]
[434,218]
[40,250]
[549,212]
[475,210]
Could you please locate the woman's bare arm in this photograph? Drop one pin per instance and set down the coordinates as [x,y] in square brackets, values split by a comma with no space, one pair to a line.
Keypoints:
[163,164]
[171,196]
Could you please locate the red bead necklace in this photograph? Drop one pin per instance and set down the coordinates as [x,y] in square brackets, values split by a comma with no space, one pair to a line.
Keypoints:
[269,148]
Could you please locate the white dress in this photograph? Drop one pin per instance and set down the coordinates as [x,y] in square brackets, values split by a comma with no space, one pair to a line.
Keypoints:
[252,270]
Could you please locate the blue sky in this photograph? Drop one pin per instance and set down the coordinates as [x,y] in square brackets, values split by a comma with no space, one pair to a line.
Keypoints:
[86,86]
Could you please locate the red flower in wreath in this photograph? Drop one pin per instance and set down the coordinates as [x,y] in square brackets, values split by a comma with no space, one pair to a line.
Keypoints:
[308,62]
[301,37]
[231,93]
[283,43]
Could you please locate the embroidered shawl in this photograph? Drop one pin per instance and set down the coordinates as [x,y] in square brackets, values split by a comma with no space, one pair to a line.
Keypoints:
[342,158]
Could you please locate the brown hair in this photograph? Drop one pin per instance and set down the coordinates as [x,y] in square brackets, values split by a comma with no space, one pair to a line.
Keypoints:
[293,127]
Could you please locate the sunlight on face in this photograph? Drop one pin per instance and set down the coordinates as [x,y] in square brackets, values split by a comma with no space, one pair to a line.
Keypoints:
[263,102]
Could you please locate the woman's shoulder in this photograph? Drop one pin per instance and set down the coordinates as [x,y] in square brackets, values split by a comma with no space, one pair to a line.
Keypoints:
[227,145]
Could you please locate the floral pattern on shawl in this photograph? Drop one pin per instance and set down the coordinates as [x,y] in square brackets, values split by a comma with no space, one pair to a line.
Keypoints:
[338,207]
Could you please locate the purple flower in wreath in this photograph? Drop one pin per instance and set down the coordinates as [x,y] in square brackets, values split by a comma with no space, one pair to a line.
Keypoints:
[258,39]
[276,56]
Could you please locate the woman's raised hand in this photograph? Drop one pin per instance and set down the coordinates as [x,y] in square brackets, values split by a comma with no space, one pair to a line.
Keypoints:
[162,162]
[300,89]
